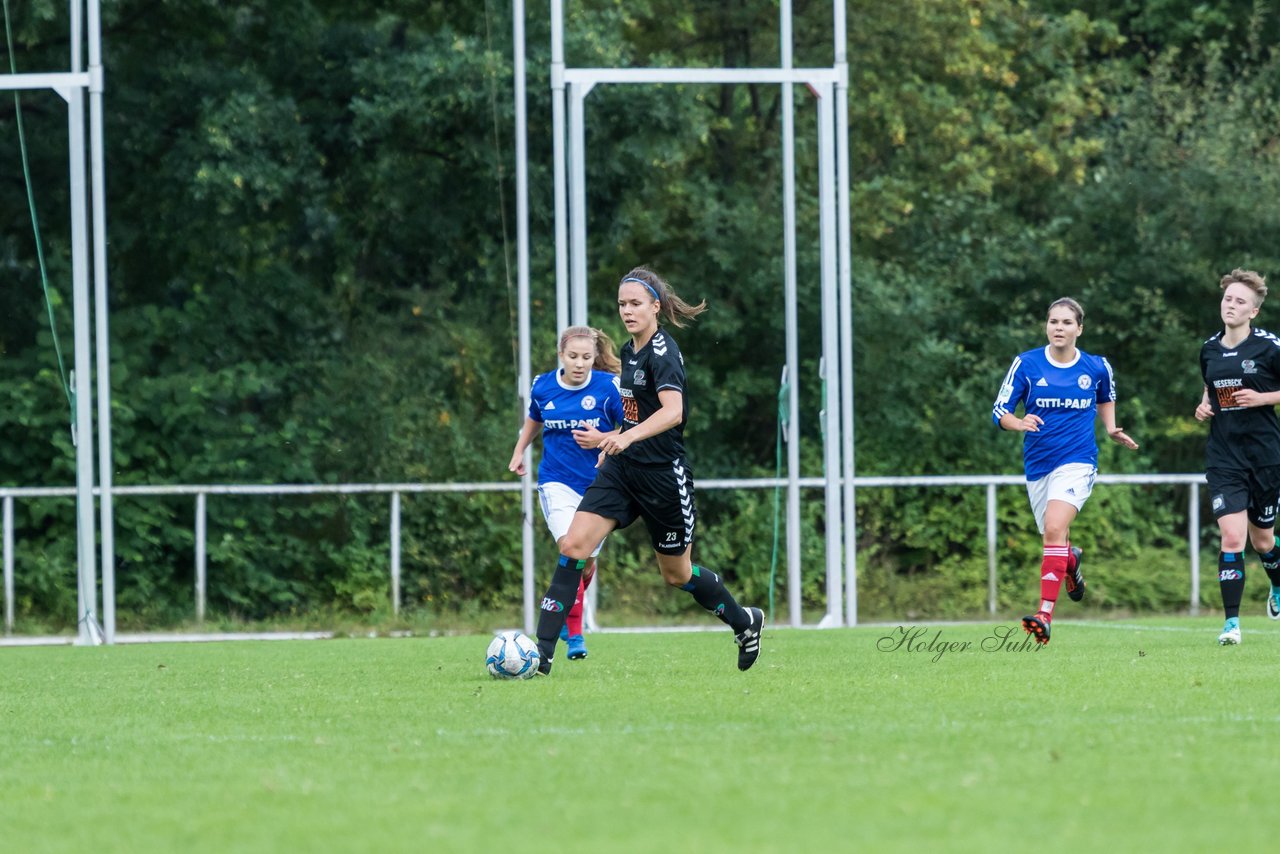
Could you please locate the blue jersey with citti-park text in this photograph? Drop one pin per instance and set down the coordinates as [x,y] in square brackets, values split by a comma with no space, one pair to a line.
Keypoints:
[562,408]
[1066,397]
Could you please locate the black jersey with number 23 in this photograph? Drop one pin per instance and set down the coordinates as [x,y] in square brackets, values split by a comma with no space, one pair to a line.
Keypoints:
[1241,437]
[656,366]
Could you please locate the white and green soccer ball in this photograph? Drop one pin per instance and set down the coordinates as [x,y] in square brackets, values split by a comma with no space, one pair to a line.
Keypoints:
[512,655]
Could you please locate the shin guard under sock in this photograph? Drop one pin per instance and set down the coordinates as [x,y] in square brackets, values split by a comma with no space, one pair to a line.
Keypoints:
[1231,581]
[1053,568]
[556,603]
[573,620]
[709,592]
[1271,563]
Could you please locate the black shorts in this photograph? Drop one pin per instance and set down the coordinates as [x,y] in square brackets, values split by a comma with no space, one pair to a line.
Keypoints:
[1255,490]
[661,495]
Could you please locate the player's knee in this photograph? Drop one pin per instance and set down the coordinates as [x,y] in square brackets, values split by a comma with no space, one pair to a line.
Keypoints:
[1233,543]
[576,547]
[1055,534]
[675,573]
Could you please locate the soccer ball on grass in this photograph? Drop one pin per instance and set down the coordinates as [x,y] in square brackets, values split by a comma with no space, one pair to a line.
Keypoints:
[512,655]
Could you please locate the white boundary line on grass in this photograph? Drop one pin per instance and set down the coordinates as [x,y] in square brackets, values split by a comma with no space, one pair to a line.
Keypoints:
[163,637]
[216,637]
[1253,626]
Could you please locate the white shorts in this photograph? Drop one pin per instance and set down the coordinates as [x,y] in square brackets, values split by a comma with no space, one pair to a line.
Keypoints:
[559,503]
[1072,483]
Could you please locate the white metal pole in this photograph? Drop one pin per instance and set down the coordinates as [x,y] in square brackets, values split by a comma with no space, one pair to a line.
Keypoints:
[97,175]
[395,553]
[8,564]
[558,171]
[87,618]
[792,371]
[577,94]
[991,549]
[831,354]
[522,299]
[201,554]
[1193,539]
[844,236]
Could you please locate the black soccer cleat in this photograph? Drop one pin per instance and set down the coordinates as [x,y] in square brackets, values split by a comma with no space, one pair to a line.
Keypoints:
[1075,578]
[1037,625]
[748,639]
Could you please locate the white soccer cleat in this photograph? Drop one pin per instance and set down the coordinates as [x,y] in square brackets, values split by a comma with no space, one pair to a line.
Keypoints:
[1273,604]
[1229,637]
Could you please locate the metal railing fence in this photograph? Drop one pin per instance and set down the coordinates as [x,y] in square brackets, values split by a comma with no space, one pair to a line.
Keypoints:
[8,495]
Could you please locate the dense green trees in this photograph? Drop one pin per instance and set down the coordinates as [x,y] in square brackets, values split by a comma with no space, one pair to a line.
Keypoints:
[311,216]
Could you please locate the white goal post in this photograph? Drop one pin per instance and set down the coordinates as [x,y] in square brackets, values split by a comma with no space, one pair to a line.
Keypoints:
[569,90]
[72,86]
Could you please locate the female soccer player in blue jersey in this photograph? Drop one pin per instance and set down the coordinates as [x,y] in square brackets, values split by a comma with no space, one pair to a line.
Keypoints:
[1061,389]
[644,473]
[1241,370]
[572,407]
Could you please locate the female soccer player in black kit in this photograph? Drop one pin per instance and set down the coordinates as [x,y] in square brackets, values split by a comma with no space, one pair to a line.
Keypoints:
[1241,370]
[643,473]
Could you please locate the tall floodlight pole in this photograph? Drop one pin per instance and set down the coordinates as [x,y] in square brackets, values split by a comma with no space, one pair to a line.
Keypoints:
[87,586]
[844,234]
[97,176]
[558,165]
[831,352]
[792,436]
[577,93]
[522,299]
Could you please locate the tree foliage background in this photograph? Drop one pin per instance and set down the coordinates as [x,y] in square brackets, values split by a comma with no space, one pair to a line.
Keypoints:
[311,224]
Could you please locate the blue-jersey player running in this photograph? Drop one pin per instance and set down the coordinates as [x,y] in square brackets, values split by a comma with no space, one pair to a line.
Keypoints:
[574,407]
[1062,389]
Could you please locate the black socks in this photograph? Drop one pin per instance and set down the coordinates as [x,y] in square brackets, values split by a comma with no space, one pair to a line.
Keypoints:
[555,606]
[1271,563]
[1231,580]
[709,592]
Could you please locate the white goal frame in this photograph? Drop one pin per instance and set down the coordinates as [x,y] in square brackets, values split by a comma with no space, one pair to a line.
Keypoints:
[73,85]
[569,90]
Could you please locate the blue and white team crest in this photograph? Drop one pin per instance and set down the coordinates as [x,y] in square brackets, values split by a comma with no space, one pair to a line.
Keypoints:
[588,402]
[1084,382]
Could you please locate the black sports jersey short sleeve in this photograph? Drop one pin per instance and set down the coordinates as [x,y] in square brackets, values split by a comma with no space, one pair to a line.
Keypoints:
[1241,437]
[657,366]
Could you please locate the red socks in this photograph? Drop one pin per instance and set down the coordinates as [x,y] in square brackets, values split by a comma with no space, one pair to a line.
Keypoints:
[1053,568]
[573,620]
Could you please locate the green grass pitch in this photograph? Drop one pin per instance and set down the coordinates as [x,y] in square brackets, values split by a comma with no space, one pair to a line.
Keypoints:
[1119,736]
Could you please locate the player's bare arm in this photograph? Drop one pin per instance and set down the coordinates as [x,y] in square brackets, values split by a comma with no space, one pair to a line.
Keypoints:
[671,413]
[1107,412]
[1025,424]
[1204,411]
[590,437]
[527,433]
[1249,397]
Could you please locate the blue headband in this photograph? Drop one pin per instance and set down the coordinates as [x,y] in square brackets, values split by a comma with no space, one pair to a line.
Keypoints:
[648,287]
